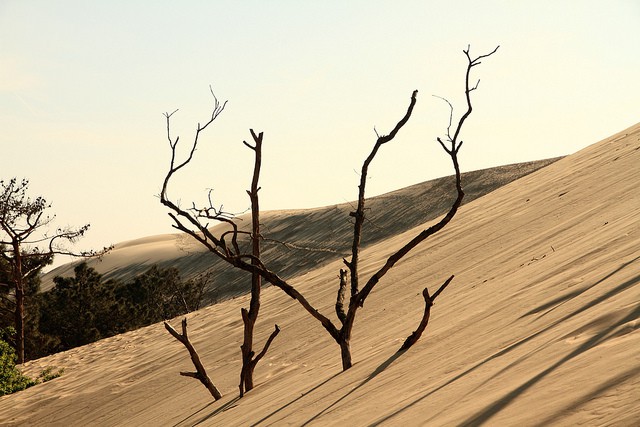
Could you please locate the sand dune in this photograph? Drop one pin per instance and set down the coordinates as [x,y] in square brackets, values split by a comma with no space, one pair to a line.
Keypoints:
[539,327]
[308,247]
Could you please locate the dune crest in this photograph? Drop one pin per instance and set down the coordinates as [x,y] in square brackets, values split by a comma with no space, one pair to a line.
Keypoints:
[306,247]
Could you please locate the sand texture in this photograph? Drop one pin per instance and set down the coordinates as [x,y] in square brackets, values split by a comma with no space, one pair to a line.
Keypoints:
[539,327]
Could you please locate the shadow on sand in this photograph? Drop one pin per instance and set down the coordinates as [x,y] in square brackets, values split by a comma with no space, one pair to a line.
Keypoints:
[383,366]
[295,400]
[489,411]
[485,414]
[190,421]
[610,332]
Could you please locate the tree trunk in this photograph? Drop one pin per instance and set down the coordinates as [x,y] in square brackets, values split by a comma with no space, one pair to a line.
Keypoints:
[345,352]
[248,378]
[246,373]
[249,317]
[19,319]
[19,290]
[249,364]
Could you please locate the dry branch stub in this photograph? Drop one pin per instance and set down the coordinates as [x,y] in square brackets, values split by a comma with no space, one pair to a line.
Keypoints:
[201,373]
[428,303]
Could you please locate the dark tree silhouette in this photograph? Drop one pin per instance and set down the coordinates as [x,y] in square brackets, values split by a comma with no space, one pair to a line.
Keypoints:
[191,222]
[249,317]
[199,218]
[28,244]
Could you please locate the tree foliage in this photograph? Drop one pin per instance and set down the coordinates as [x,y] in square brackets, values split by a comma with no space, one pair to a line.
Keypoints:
[85,308]
[11,379]
[158,294]
[28,243]
[80,309]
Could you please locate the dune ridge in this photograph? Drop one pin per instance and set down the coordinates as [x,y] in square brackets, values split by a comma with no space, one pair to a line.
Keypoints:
[539,327]
[306,247]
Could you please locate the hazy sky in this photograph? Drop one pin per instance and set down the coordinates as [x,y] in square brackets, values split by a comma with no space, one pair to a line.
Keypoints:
[83,85]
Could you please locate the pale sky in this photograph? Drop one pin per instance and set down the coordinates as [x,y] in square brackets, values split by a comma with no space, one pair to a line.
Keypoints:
[83,85]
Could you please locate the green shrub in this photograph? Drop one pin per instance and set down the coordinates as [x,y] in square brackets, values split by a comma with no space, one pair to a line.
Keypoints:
[49,374]
[11,379]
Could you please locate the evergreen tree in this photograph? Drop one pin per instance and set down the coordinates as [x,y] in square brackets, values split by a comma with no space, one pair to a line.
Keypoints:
[80,309]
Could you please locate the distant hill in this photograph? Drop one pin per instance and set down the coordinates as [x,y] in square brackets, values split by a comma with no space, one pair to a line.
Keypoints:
[291,246]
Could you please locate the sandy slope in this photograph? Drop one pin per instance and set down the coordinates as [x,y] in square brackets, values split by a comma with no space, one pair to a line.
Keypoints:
[540,327]
[308,246]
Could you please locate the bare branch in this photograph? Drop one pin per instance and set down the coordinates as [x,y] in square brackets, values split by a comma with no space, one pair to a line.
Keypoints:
[471,63]
[273,335]
[428,302]
[214,245]
[253,264]
[441,288]
[190,374]
[443,145]
[359,214]
[201,373]
[476,61]
[453,153]
[341,294]
[450,119]
[397,256]
[217,110]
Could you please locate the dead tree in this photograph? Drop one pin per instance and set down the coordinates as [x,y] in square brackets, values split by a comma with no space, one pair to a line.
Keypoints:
[249,317]
[27,245]
[200,374]
[188,221]
[199,217]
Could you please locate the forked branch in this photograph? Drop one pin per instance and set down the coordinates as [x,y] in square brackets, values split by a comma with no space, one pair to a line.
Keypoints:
[201,373]
[251,262]
[452,151]
[249,362]
[468,89]
[359,213]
